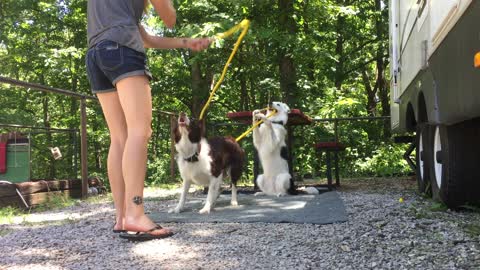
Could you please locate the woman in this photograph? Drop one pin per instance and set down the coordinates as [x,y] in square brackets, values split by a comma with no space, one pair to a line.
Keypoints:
[116,67]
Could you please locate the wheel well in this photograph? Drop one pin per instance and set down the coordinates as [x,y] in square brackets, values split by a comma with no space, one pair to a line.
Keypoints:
[411,123]
[422,116]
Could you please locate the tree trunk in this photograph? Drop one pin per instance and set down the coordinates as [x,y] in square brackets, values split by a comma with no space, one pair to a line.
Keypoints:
[288,76]
[71,158]
[339,65]
[200,90]
[381,65]
[371,93]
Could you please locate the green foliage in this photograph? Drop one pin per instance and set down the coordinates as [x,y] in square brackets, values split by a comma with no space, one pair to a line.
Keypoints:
[438,207]
[472,229]
[386,160]
[8,213]
[159,170]
[56,201]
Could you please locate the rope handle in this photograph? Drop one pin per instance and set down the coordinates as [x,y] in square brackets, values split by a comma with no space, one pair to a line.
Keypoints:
[242,25]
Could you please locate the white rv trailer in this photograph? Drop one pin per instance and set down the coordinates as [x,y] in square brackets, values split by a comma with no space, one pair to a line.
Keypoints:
[435,91]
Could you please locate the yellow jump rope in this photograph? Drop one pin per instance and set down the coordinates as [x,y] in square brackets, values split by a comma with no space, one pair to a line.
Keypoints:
[244,25]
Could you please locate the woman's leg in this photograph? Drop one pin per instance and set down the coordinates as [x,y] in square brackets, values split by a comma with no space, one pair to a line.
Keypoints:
[136,100]
[117,126]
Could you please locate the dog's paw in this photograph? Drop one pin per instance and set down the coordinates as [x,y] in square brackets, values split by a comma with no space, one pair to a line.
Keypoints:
[259,193]
[175,210]
[281,194]
[257,115]
[205,210]
[234,203]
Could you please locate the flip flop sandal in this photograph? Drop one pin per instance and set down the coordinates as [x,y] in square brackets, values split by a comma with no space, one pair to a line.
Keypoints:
[118,231]
[145,236]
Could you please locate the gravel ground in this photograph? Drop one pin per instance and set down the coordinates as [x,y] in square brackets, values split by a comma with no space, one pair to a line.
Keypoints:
[381,233]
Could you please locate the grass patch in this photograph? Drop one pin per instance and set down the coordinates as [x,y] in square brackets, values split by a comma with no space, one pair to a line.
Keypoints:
[168,186]
[472,229]
[56,201]
[7,214]
[438,207]
[419,213]
[427,211]
[162,198]
[98,199]
[49,223]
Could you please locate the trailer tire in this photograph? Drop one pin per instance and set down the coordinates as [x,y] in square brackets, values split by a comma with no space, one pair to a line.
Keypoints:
[455,170]
[423,158]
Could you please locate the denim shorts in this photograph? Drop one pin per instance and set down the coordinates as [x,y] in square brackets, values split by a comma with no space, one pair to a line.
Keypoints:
[108,62]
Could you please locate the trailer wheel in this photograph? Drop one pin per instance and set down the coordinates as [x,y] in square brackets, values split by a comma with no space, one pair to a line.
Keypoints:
[455,170]
[423,158]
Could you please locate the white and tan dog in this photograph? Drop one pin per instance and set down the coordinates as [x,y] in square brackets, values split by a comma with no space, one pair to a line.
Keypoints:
[269,140]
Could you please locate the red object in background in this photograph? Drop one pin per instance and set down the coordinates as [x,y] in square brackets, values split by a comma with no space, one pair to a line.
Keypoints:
[335,146]
[3,157]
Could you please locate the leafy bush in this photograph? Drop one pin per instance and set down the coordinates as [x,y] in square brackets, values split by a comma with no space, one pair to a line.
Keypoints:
[387,160]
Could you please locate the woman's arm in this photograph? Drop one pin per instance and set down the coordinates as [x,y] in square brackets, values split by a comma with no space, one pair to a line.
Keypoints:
[196,44]
[166,11]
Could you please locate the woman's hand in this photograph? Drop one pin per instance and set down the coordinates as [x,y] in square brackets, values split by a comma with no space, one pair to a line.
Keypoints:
[158,42]
[197,44]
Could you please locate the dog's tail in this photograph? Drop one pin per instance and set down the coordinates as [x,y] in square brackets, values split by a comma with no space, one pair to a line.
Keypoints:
[236,160]
[292,190]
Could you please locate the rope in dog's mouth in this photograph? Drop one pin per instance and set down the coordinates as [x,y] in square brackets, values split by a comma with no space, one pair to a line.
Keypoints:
[273,112]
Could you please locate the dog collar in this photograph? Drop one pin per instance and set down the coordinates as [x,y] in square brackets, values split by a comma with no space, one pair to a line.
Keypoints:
[193,158]
[278,122]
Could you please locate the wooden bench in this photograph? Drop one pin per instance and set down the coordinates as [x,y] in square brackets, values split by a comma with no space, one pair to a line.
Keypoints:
[328,148]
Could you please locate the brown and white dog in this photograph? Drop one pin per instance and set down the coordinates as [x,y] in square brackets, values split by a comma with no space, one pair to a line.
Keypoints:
[205,162]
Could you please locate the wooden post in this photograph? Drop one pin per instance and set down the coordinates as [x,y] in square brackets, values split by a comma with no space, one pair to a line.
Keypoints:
[83,147]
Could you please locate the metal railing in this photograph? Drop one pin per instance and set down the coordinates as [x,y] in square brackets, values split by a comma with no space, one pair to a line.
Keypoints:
[83,120]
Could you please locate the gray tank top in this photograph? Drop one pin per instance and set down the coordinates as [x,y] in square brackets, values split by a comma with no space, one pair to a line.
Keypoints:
[115,20]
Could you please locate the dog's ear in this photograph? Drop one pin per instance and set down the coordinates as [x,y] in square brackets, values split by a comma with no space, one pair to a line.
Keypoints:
[176,133]
[174,122]
[287,109]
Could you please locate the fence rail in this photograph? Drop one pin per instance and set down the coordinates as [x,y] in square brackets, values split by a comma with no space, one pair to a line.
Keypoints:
[83,120]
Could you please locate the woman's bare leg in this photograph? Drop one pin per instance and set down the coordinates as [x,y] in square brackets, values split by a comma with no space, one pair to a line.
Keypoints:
[117,126]
[136,100]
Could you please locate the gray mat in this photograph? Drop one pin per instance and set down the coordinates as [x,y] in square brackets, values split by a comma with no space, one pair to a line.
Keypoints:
[316,209]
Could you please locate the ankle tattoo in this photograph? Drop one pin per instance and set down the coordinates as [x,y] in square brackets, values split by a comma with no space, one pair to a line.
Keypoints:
[137,200]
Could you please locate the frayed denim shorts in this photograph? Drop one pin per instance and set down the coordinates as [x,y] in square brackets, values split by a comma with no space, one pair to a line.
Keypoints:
[108,62]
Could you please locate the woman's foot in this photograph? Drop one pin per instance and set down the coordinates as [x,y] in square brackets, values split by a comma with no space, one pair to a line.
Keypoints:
[118,227]
[143,228]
